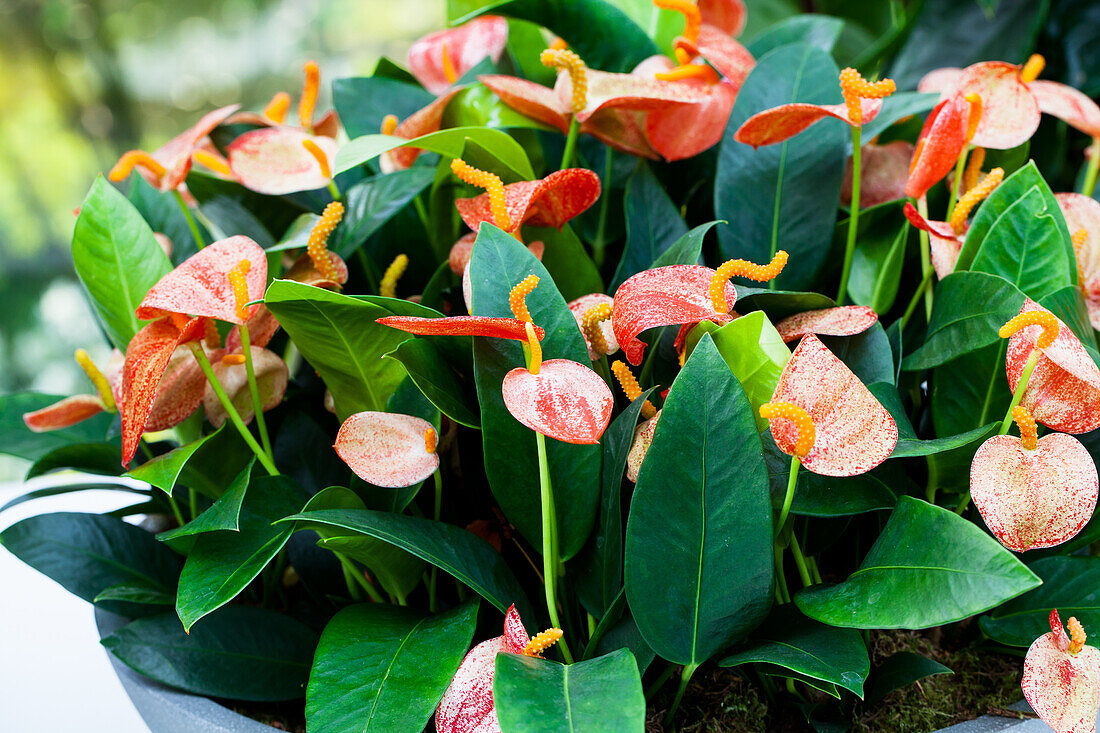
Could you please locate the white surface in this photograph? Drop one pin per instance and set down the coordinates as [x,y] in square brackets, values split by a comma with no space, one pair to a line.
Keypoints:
[54,675]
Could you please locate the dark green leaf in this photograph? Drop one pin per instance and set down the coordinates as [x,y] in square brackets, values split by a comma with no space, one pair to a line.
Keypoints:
[928,567]
[539,696]
[16,439]
[223,514]
[899,670]
[867,354]
[136,593]
[1070,584]
[363,102]
[1069,305]
[101,458]
[165,470]
[702,488]
[384,668]
[687,249]
[778,304]
[653,223]
[825,496]
[240,653]
[819,31]
[162,212]
[783,196]
[567,261]
[909,445]
[373,202]
[438,381]
[897,107]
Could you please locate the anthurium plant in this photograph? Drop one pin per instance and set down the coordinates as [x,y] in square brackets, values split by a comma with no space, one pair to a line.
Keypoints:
[597,345]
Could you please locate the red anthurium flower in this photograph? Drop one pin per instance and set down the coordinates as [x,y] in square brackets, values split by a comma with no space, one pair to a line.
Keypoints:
[1033,493]
[546,202]
[849,431]
[845,320]
[502,328]
[1063,392]
[200,285]
[679,294]
[388,450]
[939,144]
[271,378]
[1083,219]
[278,160]
[422,122]
[467,705]
[1013,98]
[440,59]
[1062,678]
[168,166]
[562,399]
[593,315]
[78,408]
[885,169]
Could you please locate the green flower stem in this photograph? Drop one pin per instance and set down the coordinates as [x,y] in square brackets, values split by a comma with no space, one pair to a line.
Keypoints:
[599,245]
[357,576]
[853,217]
[792,481]
[254,390]
[199,241]
[550,561]
[175,509]
[800,562]
[924,283]
[960,166]
[659,682]
[685,678]
[1093,168]
[437,510]
[814,572]
[782,595]
[334,191]
[600,367]
[925,259]
[231,411]
[193,501]
[1029,367]
[570,143]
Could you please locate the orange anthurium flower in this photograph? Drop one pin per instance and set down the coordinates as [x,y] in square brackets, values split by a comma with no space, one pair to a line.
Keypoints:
[440,59]
[271,379]
[1063,392]
[1013,99]
[852,431]
[939,144]
[386,449]
[1033,493]
[845,320]
[78,408]
[167,166]
[546,202]
[563,400]
[503,328]
[1083,215]
[467,705]
[422,122]
[1062,678]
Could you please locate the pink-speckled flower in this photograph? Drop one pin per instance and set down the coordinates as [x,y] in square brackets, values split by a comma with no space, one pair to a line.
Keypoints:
[271,378]
[1063,392]
[884,171]
[1033,493]
[467,705]
[944,242]
[853,431]
[561,399]
[845,320]
[424,121]
[386,449]
[1013,98]
[1083,213]
[639,446]
[1062,678]
[582,305]
[440,59]
[941,141]
[547,202]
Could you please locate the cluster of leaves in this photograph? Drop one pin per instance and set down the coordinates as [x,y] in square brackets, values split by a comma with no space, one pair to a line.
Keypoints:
[309,582]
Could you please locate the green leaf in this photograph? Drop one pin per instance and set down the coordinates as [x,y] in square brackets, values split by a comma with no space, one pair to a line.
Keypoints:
[567,261]
[450,143]
[435,378]
[68,488]
[819,31]
[539,696]
[223,563]
[463,554]
[755,353]
[968,312]
[165,470]
[909,445]
[899,670]
[687,249]
[783,196]
[217,463]
[1069,585]
[511,463]
[702,487]
[338,336]
[363,102]
[897,107]
[778,304]
[1069,305]
[383,668]
[101,458]
[162,212]
[929,567]
[825,496]
[223,514]
[88,553]
[239,653]
[477,106]
[116,258]
[16,439]
[373,202]
[226,214]
[604,36]
[599,578]
[653,223]
[867,354]
[877,264]
[970,390]
[136,593]
[790,640]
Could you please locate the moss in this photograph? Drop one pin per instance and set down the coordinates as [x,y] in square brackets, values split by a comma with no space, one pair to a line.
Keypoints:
[718,700]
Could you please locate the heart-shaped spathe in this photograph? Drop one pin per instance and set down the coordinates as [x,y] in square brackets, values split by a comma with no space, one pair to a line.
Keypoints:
[566,401]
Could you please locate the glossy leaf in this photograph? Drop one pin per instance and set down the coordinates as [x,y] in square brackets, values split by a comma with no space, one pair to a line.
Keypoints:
[165,470]
[790,640]
[223,514]
[464,555]
[566,259]
[17,440]
[450,143]
[363,102]
[116,258]
[240,653]
[338,336]
[384,668]
[819,31]
[1069,584]
[373,202]
[100,458]
[437,380]
[826,496]
[687,249]
[755,353]
[928,567]
[653,224]
[223,563]
[703,483]
[968,391]
[900,669]
[498,263]
[88,553]
[539,696]
[909,445]
[783,196]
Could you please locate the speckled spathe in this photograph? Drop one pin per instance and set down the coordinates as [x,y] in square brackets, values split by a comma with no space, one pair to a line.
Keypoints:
[566,400]
[844,320]
[386,449]
[1062,688]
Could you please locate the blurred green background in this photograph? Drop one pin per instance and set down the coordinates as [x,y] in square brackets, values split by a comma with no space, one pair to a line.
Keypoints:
[82,82]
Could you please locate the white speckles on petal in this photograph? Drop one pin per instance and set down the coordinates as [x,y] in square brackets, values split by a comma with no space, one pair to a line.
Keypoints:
[566,401]
[386,449]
